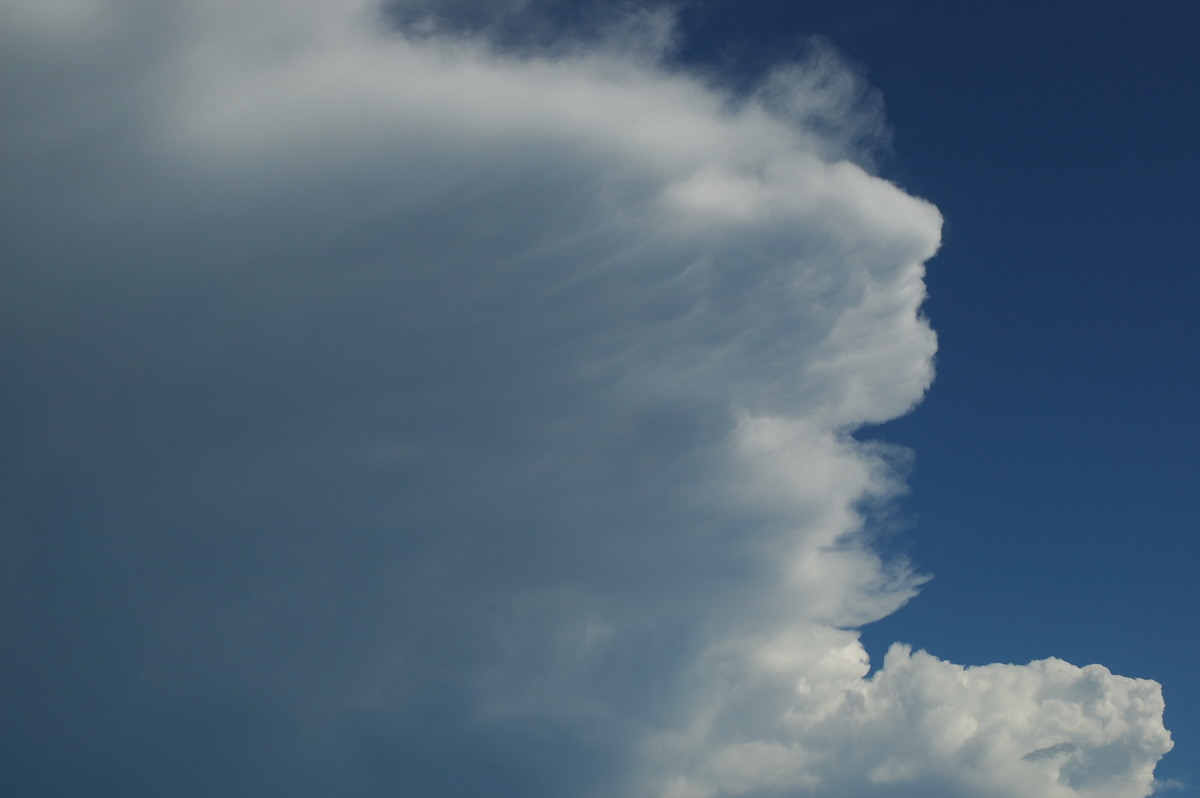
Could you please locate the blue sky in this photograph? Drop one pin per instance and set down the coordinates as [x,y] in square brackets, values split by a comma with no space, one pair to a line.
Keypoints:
[1054,488]
[1053,496]
[539,400]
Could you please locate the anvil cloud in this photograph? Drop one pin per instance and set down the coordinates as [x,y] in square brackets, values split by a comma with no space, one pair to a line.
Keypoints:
[391,412]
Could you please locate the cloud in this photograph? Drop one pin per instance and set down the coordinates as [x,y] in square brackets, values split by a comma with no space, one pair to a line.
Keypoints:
[392,410]
[922,726]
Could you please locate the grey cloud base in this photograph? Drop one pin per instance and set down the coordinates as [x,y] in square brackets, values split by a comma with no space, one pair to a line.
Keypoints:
[388,414]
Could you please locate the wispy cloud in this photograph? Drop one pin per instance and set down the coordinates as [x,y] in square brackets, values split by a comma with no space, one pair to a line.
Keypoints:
[394,411]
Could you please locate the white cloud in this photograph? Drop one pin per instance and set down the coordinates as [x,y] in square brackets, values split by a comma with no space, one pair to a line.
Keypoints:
[922,726]
[492,412]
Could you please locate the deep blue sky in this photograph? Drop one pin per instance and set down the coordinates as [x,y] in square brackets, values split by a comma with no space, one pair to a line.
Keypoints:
[1054,496]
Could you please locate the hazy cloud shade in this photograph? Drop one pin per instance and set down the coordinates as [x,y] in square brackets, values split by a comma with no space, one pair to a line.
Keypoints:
[386,411]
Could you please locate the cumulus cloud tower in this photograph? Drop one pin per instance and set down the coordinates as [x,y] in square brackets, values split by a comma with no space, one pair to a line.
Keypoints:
[500,420]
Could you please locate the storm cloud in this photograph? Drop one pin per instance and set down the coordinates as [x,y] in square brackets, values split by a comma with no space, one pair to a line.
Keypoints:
[387,410]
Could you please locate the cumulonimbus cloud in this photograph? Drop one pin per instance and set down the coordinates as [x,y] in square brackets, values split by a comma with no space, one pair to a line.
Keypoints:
[400,413]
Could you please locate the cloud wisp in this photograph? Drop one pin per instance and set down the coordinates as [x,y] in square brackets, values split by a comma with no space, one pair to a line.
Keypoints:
[394,412]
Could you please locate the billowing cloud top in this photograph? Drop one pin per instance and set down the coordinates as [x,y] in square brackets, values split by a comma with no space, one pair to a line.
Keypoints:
[389,412]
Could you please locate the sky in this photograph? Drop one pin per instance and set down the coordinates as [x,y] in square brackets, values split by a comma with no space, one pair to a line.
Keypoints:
[546,399]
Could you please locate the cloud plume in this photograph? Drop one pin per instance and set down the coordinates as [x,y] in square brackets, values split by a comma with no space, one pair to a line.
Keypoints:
[390,411]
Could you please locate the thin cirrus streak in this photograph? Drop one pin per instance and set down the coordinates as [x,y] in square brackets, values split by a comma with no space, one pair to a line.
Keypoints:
[392,411]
